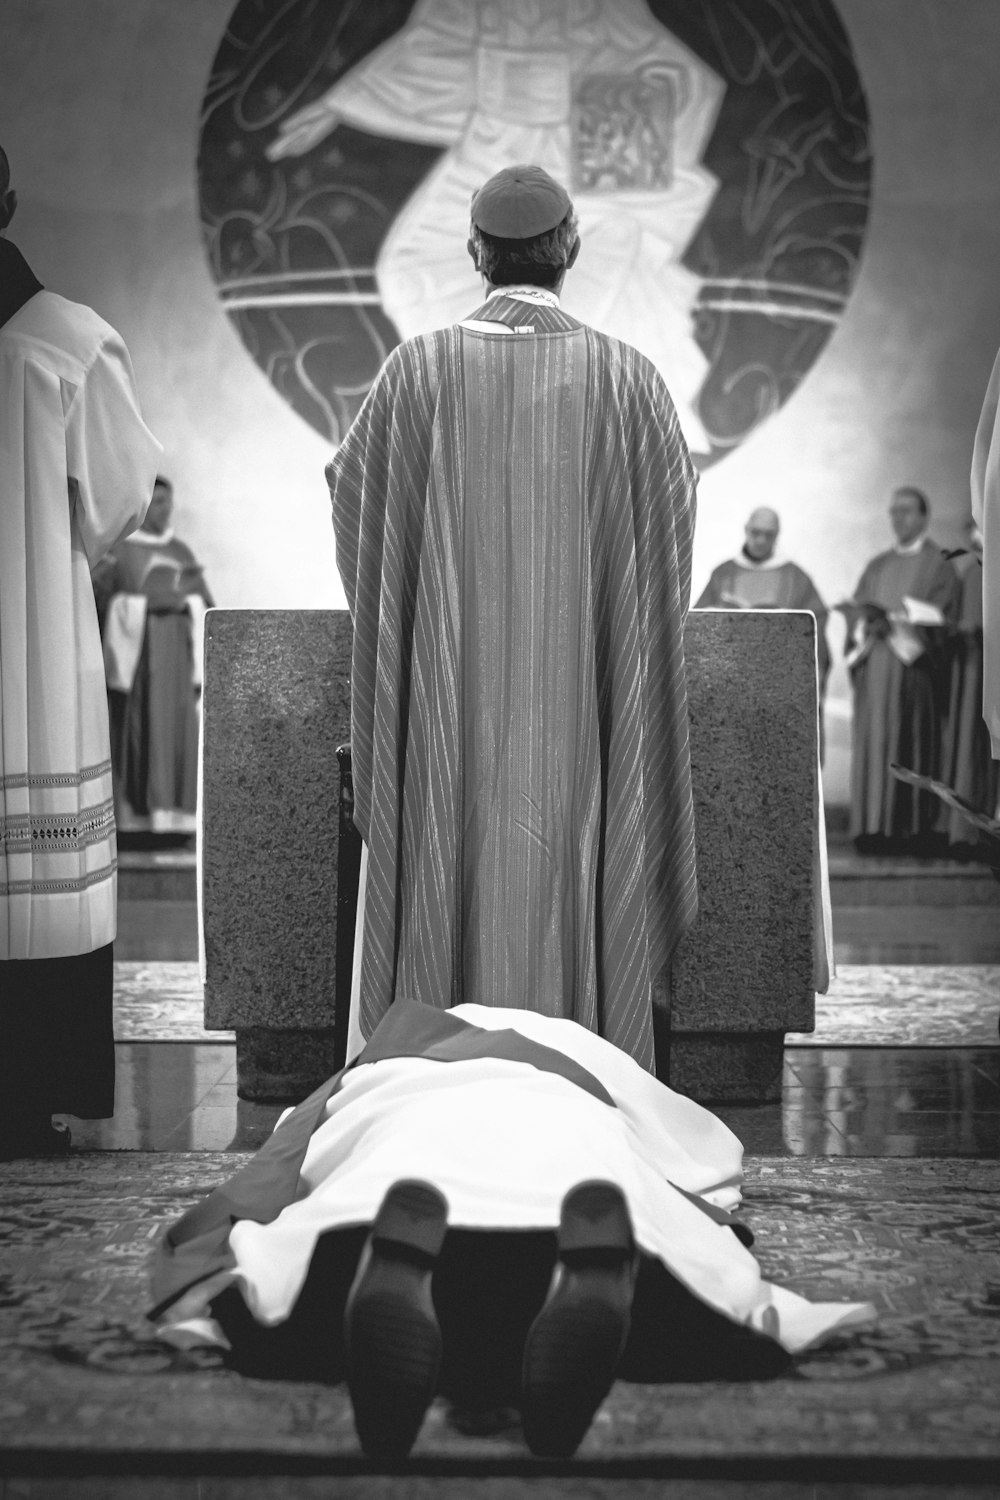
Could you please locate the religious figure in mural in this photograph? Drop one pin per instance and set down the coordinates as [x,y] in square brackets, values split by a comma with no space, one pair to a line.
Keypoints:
[717,150]
[597,92]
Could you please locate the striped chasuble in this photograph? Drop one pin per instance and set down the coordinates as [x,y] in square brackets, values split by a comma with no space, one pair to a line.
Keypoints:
[514,514]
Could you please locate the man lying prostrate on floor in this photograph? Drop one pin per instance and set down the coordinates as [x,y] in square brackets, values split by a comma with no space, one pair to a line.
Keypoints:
[493,1204]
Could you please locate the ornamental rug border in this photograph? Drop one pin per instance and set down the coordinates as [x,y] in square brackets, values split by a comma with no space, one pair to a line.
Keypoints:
[81,1371]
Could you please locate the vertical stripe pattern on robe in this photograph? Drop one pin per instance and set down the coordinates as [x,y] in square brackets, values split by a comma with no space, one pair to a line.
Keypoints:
[514,516]
[898,709]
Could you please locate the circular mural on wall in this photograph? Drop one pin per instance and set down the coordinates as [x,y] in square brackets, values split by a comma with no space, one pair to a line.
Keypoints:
[717,152]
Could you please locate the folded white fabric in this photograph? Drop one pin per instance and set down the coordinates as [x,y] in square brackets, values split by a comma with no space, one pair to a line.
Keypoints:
[124,628]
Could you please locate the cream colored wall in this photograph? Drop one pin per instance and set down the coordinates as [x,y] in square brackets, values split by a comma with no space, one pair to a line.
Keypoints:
[99,107]
[99,104]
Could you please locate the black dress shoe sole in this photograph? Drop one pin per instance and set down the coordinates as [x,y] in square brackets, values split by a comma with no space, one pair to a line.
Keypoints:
[391,1331]
[575,1344]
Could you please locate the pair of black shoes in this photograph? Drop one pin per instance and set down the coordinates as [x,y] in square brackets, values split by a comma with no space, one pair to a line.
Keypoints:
[572,1349]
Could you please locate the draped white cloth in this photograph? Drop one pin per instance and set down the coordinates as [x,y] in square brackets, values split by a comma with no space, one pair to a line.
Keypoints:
[986,512]
[504,1141]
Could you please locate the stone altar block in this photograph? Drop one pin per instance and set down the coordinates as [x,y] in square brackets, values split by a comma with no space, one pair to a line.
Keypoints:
[277,704]
[745,973]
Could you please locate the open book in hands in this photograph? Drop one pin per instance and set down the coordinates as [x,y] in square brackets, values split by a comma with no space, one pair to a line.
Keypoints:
[920,612]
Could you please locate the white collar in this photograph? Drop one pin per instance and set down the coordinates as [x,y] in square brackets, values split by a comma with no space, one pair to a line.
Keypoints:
[776,560]
[526,294]
[910,549]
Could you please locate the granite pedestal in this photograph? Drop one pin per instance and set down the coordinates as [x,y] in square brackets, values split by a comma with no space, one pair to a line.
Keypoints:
[745,973]
[276,707]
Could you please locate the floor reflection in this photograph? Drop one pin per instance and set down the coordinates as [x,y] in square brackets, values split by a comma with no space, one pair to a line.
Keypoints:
[887,1101]
[177,1096]
[849,1101]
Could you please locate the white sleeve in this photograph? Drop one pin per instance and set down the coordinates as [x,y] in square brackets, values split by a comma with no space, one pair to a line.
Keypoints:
[111,455]
[986,452]
[418,86]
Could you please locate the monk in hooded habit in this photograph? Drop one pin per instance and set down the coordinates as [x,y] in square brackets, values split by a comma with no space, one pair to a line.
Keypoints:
[514,508]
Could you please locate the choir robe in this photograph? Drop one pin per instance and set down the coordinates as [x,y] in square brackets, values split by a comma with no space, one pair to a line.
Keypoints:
[741,583]
[986,513]
[898,708]
[69,417]
[514,515]
[504,1111]
[967,764]
[152,698]
[78,466]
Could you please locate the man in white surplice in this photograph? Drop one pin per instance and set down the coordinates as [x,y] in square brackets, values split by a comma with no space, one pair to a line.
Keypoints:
[598,93]
[78,464]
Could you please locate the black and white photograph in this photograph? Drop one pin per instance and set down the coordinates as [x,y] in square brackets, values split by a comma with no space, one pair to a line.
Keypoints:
[499,749]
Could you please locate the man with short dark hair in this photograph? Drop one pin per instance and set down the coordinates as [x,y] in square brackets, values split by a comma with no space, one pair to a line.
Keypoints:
[514,509]
[904,602]
[78,465]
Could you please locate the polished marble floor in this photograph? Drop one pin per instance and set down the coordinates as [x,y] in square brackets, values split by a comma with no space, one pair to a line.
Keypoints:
[916,1001]
[181,1096]
[870,1005]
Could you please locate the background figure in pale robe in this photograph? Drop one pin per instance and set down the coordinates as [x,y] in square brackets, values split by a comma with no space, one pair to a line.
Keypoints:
[78,465]
[759,577]
[514,509]
[986,514]
[151,598]
[967,763]
[898,670]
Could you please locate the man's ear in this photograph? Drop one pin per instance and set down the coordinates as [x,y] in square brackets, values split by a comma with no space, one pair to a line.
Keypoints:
[8,203]
[472,251]
[574,252]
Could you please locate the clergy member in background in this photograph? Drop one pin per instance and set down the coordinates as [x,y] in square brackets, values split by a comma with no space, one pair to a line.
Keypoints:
[967,763]
[898,627]
[78,464]
[760,577]
[514,508]
[152,597]
[986,514]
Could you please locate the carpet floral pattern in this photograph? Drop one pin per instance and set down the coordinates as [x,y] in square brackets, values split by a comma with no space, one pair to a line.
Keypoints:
[80,1368]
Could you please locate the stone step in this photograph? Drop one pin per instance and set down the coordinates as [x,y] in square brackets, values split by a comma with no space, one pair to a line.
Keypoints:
[858,881]
[157,875]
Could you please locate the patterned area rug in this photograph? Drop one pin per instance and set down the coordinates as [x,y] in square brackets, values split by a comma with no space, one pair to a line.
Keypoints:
[869,1005]
[80,1371]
